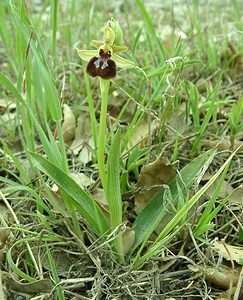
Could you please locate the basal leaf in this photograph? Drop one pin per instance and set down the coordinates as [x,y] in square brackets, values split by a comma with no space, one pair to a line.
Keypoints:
[83,201]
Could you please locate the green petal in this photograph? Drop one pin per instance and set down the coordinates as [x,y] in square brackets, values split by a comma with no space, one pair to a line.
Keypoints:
[119,48]
[96,43]
[86,55]
[122,62]
[109,36]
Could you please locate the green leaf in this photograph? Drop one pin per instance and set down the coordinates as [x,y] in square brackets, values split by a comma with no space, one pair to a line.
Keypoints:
[155,212]
[48,87]
[85,204]
[114,192]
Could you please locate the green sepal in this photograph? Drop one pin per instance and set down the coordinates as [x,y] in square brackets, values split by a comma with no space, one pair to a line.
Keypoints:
[122,62]
[86,55]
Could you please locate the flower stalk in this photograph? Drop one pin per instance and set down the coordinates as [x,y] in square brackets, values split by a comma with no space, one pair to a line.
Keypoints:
[104,89]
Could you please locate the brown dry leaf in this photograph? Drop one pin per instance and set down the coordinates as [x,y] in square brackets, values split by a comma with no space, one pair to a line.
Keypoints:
[99,196]
[4,235]
[151,178]
[2,292]
[234,56]
[128,238]
[116,103]
[221,145]
[32,288]
[225,189]
[5,217]
[229,294]
[178,122]
[82,132]
[2,258]
[69,124]
[201,84]
[82,144]
[229,252]
[142,132]
[85,154]
[58,198]
[222,277]
[236,198]
[80,297]
[62,259]
[82,179]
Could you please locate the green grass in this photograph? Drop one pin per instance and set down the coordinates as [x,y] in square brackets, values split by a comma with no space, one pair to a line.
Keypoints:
[188,88]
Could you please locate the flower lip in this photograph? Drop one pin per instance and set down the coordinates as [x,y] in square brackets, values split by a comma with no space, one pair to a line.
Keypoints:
[104,68]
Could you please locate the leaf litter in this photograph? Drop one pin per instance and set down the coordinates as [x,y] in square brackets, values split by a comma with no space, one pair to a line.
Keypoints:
[152,177]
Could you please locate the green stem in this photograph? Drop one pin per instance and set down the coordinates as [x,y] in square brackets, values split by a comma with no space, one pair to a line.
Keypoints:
[104,89]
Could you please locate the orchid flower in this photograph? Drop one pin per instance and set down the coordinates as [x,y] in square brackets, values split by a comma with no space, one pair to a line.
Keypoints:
[103,61]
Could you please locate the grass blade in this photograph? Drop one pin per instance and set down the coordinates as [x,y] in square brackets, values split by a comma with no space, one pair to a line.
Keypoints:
[84,202]
[209,212]
[54,272]
[51,149]
[150,27]
[10,255]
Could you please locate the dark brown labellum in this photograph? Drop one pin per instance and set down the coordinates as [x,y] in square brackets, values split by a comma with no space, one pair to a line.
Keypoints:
[106,73]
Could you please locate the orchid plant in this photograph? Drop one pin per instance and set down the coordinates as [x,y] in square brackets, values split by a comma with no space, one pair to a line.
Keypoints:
[103,63]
